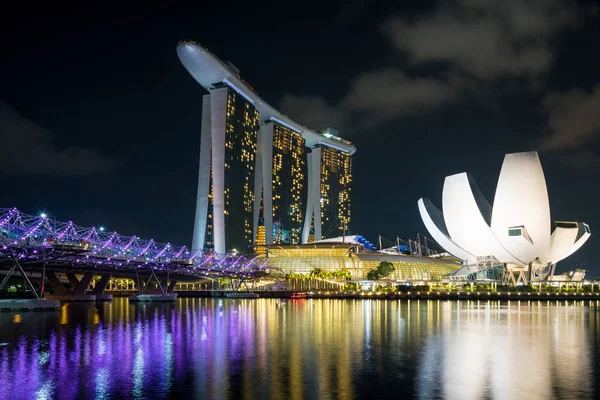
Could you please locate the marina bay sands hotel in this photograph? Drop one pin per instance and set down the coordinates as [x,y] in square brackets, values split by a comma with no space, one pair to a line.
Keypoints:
[263,177]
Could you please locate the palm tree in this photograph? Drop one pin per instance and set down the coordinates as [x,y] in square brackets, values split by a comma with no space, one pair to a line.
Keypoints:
[315,275]
[343,273]
[296,278]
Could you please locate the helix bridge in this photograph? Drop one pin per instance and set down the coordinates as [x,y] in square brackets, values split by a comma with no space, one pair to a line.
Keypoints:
[32,242]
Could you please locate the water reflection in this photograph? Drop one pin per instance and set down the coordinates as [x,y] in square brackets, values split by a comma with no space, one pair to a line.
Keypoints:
[217,348]
[520,350]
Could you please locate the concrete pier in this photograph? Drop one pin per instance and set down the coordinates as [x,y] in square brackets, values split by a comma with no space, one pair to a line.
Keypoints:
[153,297]
[29,305]
[72,297]
[242,295]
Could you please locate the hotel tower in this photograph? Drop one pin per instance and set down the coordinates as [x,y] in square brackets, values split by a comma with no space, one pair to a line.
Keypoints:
[263,178]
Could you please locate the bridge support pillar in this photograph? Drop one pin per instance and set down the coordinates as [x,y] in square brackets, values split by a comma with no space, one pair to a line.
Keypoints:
[162,287]
[101,287]
[171,287]
[160,294]
[17,267]
[72,280]
[38,303]
[144,285]
[102,284]
[55,284]
[78,293]
[83,284]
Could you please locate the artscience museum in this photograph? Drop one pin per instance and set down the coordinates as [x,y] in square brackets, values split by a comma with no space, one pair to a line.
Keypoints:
[516,235]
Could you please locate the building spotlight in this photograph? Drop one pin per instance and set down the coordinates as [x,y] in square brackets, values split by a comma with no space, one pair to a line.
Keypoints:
[43,215]
[101,229]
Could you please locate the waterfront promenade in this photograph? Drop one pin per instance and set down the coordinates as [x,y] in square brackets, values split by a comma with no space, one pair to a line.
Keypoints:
[415,295]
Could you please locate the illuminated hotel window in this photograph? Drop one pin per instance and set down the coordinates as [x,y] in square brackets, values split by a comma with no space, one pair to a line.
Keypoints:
[288,185]
[241,122]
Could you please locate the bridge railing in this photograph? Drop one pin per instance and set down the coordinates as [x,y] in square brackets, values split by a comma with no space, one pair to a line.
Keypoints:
[24,235]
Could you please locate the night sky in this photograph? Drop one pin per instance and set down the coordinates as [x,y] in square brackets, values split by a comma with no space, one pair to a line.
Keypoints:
[100,123]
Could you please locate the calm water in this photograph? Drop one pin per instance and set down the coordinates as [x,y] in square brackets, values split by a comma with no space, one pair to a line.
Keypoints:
[330,349]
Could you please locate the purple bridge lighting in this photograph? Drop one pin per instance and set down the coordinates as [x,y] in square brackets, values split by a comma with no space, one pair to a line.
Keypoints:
[27,240]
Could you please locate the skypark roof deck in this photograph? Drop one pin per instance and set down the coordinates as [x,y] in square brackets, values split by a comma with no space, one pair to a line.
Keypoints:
[209,71]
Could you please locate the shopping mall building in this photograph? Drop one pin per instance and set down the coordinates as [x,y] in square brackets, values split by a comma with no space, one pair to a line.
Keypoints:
[332,256]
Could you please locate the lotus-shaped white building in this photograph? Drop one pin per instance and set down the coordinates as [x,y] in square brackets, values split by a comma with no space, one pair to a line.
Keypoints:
[517,231]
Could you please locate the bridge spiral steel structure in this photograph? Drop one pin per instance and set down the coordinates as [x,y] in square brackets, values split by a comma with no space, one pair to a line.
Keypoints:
[28,239]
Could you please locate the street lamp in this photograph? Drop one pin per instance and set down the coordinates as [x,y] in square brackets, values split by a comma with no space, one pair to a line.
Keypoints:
[101,229]
[43,215]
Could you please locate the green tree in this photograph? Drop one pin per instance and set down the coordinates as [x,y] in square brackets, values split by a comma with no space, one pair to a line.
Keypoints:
[316,273]
[297,280]
[373,275]
[385,268]
[343,273]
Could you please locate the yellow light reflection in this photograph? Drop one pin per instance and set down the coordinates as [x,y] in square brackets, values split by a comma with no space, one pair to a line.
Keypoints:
[64,314]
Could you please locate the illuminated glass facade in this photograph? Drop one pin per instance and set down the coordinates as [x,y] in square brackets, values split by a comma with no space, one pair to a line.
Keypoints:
[336,187]
[241,129]
[289,183]
[333,257]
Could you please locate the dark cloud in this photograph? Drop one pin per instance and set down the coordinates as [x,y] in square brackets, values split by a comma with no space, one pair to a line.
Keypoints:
[486,39]
[482,47]
[374,97]
[573,119]
[27,149]
[313,111]
[388,93]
